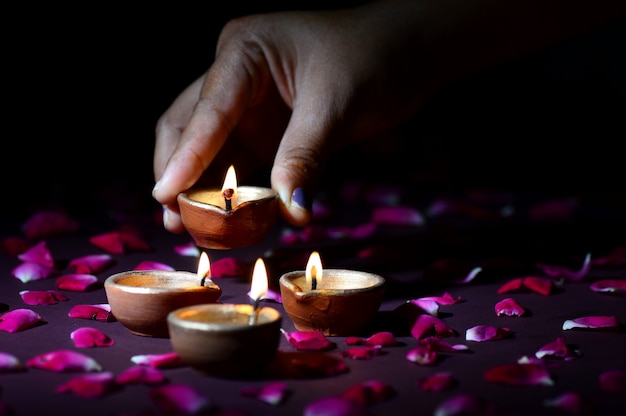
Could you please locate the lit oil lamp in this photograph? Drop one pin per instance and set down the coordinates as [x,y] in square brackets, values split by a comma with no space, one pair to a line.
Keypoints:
[142,299]
[231,217]
[228,340]
[337,302]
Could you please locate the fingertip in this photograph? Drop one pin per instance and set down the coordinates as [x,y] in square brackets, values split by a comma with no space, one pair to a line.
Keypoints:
[172,220]
[296,207]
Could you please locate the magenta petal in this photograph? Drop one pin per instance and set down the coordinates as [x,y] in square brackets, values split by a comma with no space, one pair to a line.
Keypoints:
[90,264]
[558,349]
[179,398]
[42,297]
[397,215]
[558,272]
[464,404]
[48,223]
[615,257]
[517,374]
[99,312]
[422,355]
[335,406]
[509,307]
[540,285]
[613,380]
[361,353]
[569,402]
[13,246]
[609,286]
[90,337]
[592,322]
[9,363]
[271,393]
[64,361]
[429,306]
[481,333]
[229,266]
[30,271]
[189,249]
[436,382]
[141,374]
[76,282]
[369,392]
[19,319]
[39,253]
[438,344]
[382,339]
[308,340]
[120,242]
[165,360]
[153,265]
[90,386]
[426,325]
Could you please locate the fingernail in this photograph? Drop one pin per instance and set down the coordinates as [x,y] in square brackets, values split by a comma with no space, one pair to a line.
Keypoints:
[156,188]
[300,198]
[166,216]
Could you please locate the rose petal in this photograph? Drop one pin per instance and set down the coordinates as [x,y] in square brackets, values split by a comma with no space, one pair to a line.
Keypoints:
[271,393]
[540,285]
[335,406]
[609,286]
[229,266]
[179,398]
[120,242]
[9,363]
[90,386]
[30,271]
[99,312]
[308,340]
[76,282]
[48,223]
[64,361]
[570,402]
[141,374]
[558,349]
[14,245]
[480,333]
[42,297]
[613,380]
[616,257]
[86,337]
[427,325]
[509,307]
[559,272]
[369,392]
[90,264]
[438,344]
[153,265]
[464,404]
[19,319]
[397,215]
[437,382]
[189,249]
[165,360]
[592,322]
[422,355]
[39,253]
[361,353]
[517,374]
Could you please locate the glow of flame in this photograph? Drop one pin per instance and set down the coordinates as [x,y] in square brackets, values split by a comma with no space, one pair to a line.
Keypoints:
[259,286]
[204,266]
[314,270]
[230,181]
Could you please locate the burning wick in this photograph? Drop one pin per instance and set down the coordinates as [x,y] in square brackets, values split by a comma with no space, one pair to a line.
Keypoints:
[228,194]
[314,269]
[255,312]
[204,268]
[313,278]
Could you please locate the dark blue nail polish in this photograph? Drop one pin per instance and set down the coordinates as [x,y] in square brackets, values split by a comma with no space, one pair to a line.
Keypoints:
[301,199]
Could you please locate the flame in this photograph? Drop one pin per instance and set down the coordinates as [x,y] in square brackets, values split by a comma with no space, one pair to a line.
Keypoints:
[230,181]
[314,269]
[259,286]
[204,266]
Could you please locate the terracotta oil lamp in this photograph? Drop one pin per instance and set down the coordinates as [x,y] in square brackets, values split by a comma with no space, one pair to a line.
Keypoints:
[231,217]
[337,302]
[142,299]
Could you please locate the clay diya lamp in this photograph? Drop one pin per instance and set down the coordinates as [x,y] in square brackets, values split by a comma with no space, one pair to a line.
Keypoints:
[227,218]
[336,302]
[142,299]
[228,340]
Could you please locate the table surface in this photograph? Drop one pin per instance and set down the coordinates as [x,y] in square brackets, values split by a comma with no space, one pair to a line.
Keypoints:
[506,246]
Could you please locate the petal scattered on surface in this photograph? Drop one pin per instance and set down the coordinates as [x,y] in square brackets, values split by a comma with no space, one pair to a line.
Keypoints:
[480,333]
[90,386]
[361,353]
[120,242]
[42,297]
[422,355]
[76,282]
[152,265]
[141,374]
[437,382]
[609,286]
[369,392]
[570,402]
[165,360]
[64,361]
[397,215]
[229,266]
[308,340]
[438,344]
[335,406]
[91,263]
[465,404]
[427,325]
[98,312]
[48,223]
[29,271]
[189,249]
[39,253]
[179,398]
[9,363]
[517,374]
[560,272]
[509,307]
[381,339]
[87,337]
[13,246]
[540,285]
[592,322]
[557,349]
[20,319]
[271,393]
[616,257]
[613,380]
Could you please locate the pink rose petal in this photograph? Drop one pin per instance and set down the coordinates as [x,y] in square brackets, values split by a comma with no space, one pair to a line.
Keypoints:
[64,361]
[76,282]
[99,312]
[86,337]
[90,386]
[509,307]
[557,349]
[229,266]
[540,285]
[517,374]
[19,319]
[438,344]
[188,249]
[152,265]
[427,325]
[369,392]
[570,402]
[558,272]
[480,333]
[42,297]
[120,242]
[437,382]
[464,404]
[141,374]
[335,406]
[29,271]
[179,398]
[272,393]
[609,286]
[422,355]
[397,215]
[361,353]
[616,257]
[165,360]
[592,322]
[613,380]
[39,253]
[9,363]
[90,264]
[49,223]
[308,340]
